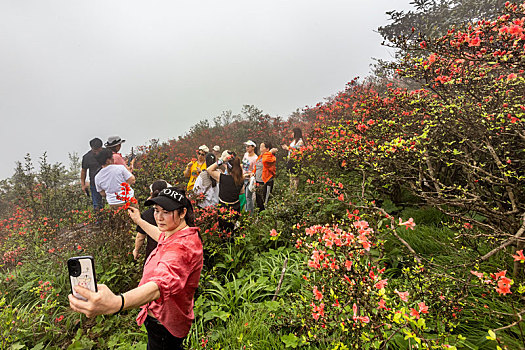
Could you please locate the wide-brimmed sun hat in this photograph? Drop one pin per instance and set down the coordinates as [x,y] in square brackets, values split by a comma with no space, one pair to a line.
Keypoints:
[114,141]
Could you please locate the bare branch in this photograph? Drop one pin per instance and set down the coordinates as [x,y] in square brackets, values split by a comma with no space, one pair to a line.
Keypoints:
[507,242]
[280,279]
[512,324]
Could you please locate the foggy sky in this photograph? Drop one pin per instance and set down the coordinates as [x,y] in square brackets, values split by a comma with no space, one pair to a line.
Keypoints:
[73,70]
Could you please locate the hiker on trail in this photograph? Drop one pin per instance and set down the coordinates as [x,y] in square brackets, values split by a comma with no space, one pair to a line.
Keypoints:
[114,143]
[194,168]
[231,185]
[206,185]
[292,165]
[171,275]
[109,179]
[248,163]
[264,172]
[90,163]
[148,215]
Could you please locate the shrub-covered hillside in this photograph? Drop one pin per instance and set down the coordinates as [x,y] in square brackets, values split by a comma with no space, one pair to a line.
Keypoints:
[406,230]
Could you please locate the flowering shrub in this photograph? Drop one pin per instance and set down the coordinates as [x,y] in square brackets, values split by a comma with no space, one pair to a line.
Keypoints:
[350,297]
[455,141]
[207,219]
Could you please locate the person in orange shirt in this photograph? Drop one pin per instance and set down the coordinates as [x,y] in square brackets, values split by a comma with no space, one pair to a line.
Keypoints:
[264,172]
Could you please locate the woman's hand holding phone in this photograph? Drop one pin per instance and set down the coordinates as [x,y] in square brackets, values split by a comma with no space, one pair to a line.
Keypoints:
[102,302]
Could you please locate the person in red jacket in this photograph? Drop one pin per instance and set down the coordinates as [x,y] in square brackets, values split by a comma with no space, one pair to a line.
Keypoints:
[264,172]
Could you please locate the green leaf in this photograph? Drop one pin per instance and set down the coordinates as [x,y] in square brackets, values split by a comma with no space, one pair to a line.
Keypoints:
[272,306]
[38,346]
[82,344]
[421,323]
[290,340]
[210,315]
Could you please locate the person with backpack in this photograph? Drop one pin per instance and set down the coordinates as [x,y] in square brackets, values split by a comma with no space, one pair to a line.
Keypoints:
[109,179]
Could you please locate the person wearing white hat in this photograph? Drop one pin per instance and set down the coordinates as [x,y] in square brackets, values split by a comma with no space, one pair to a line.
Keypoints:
[248,162]
[217,151]
[194,168]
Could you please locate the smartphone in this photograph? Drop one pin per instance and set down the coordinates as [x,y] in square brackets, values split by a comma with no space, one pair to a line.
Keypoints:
[82,273]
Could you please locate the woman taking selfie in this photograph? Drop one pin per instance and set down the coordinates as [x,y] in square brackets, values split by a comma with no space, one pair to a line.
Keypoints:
[170,278]
[148,215]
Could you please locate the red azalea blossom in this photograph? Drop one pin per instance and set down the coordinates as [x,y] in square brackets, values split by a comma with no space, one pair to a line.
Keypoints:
[381,284]
[474,41]
[477,274]
[402,295]
[422,307]
[317,294]
[408,224]
[317,311]
[519,256]
[503,289]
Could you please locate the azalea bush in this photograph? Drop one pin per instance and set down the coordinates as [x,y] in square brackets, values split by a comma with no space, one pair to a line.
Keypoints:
[349,298]
[457,141]
[34,280]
